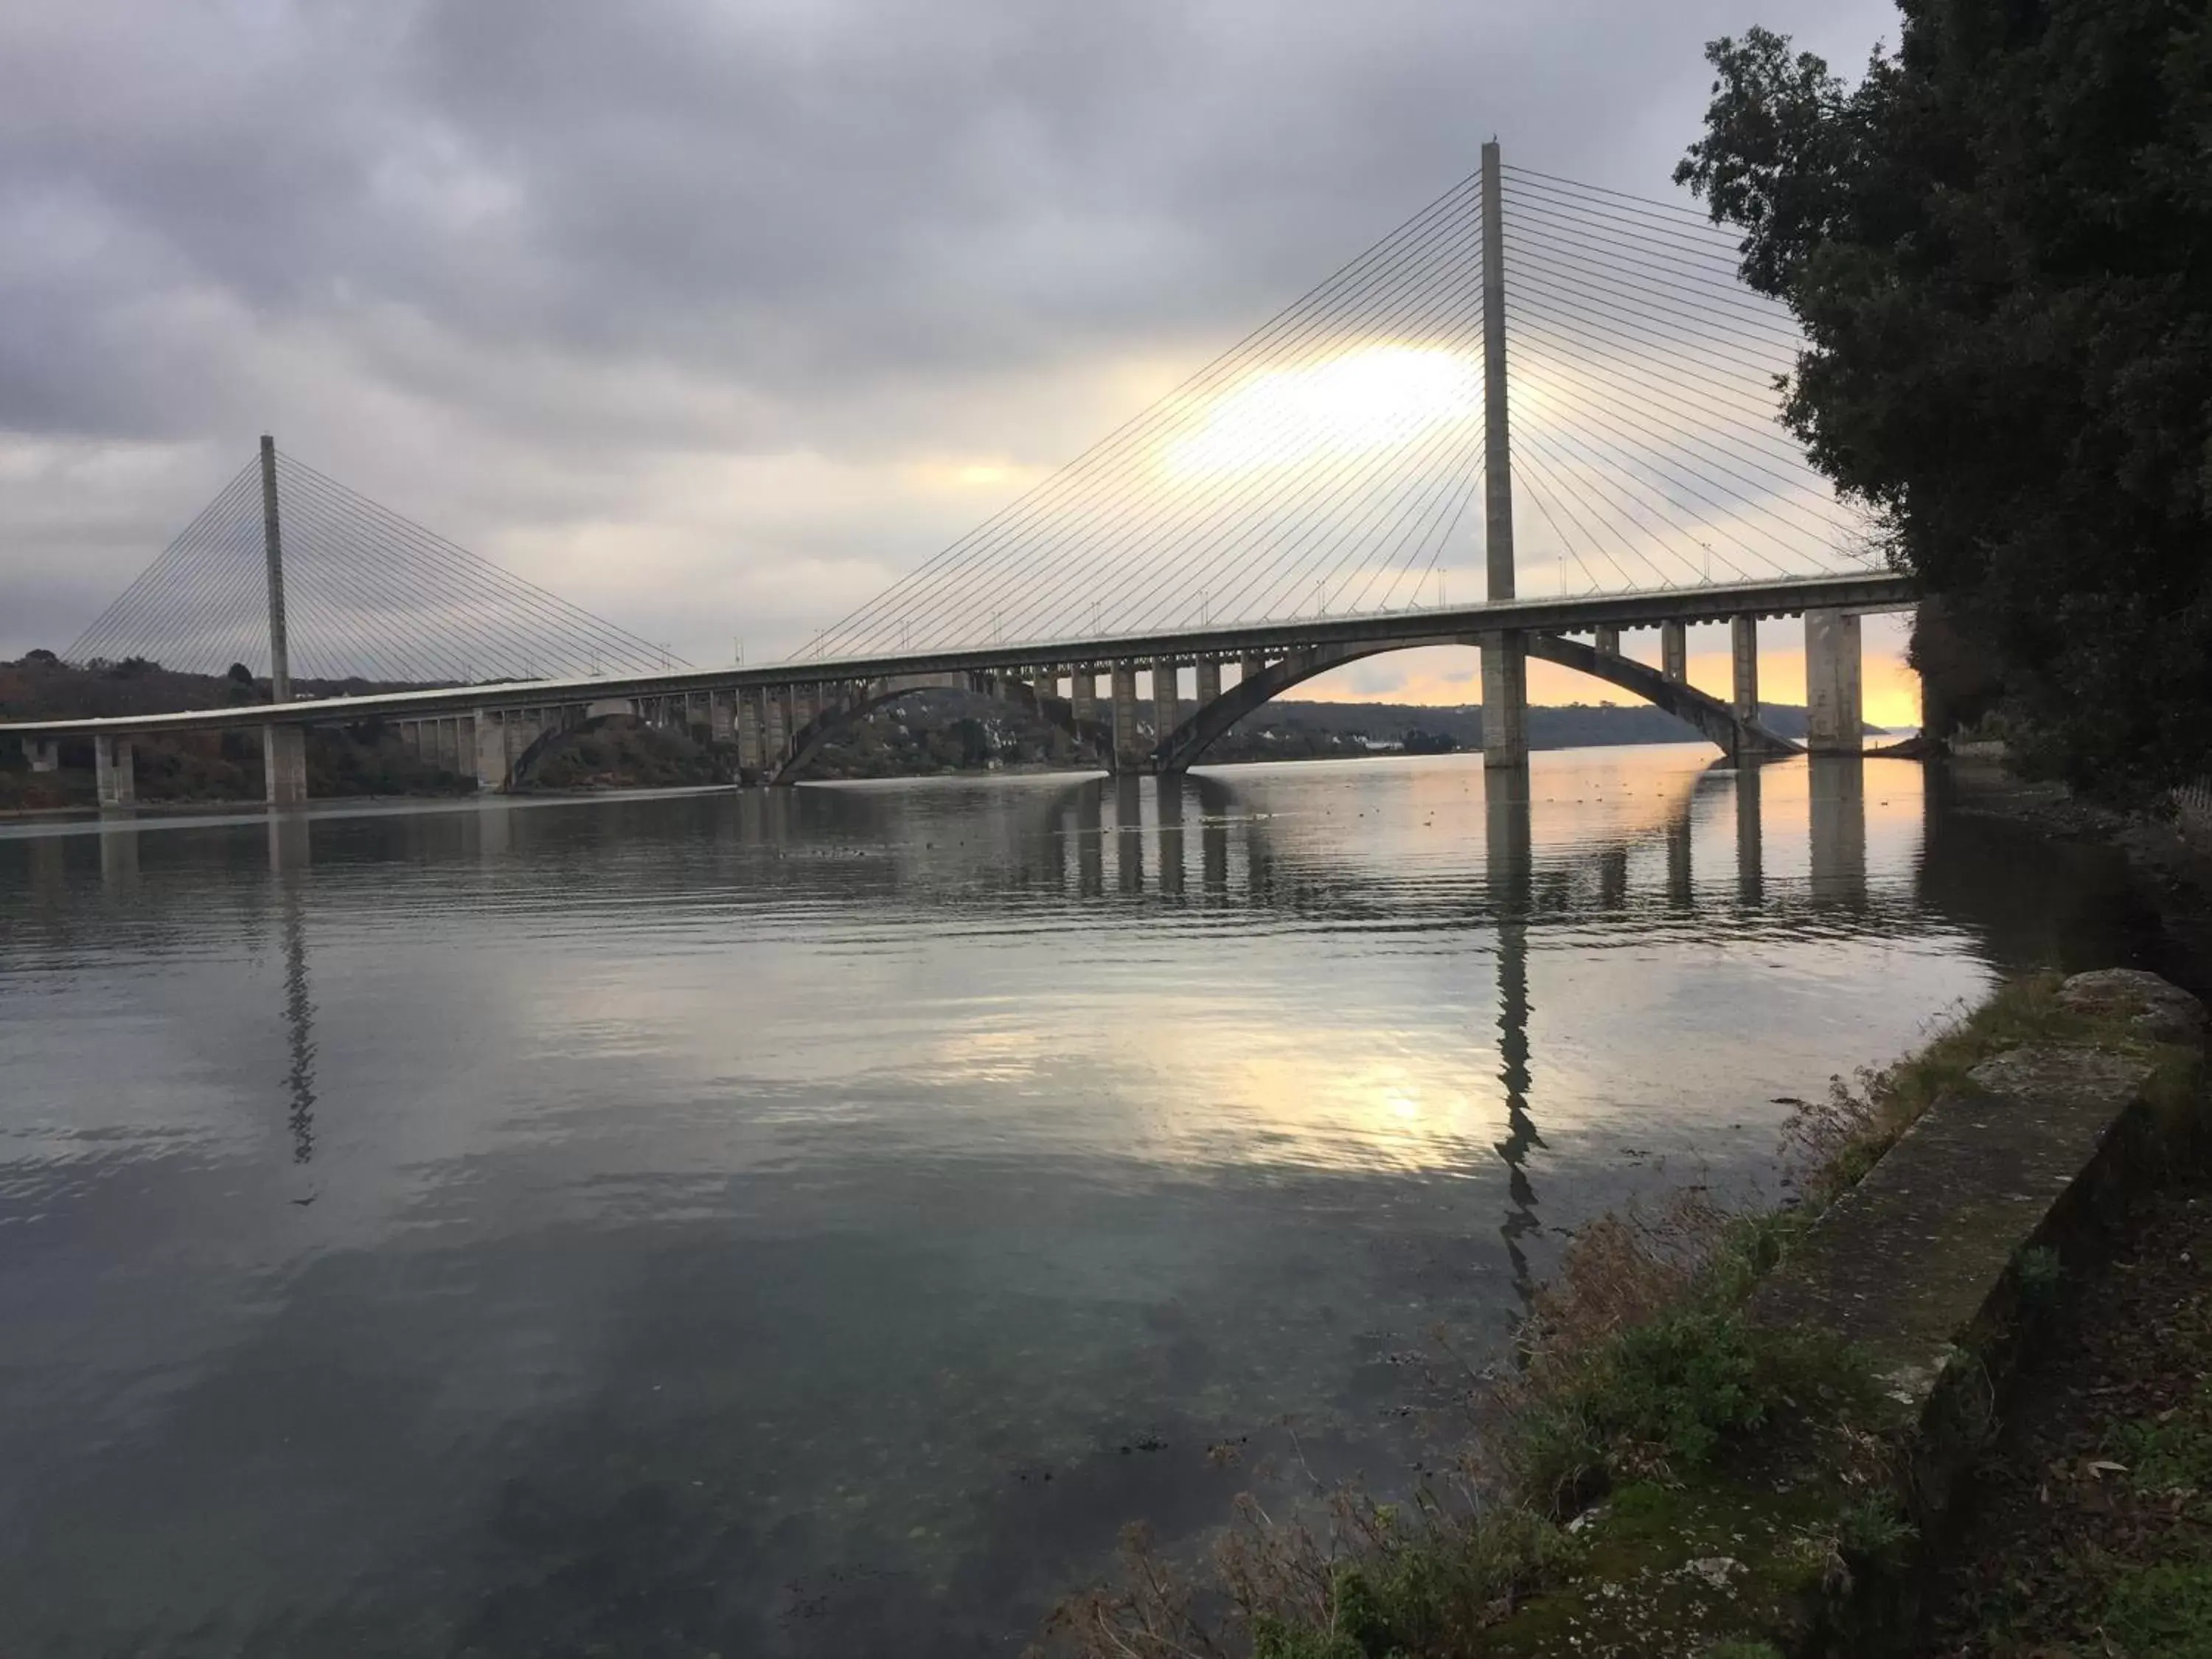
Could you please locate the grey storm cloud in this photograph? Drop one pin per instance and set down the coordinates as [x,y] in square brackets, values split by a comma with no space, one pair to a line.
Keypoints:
[661,303]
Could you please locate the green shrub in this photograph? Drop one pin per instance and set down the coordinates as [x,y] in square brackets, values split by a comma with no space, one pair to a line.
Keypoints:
[1872,1529]
[2163,1611]
[1427,1588]
[1678,1392]
[1273,1639]
[1682,1383]
[2173,1455]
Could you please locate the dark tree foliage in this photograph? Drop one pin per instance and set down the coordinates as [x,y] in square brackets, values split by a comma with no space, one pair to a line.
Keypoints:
[2000,244]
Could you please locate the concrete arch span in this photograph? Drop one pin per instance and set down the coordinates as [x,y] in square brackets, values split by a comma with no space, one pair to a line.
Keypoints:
[561,723]
[1716,721]
[841,710]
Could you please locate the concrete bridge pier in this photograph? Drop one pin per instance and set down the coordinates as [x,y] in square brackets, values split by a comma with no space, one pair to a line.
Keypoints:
[1166,703]
[284,766]
[1674,652]
[775,705]
[1608,639]
[46,754]
[1128,746]
[1504,698]
[489,756]
[1832,710]
[1253,666]
[114,770]
[749,720]
[1209,680]
[1743,657]
[1083,695]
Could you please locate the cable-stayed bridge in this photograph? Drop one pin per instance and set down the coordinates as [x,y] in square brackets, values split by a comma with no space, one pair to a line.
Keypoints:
[1566,385]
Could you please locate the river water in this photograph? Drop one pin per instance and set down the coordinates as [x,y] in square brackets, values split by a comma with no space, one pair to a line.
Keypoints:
[812,1222]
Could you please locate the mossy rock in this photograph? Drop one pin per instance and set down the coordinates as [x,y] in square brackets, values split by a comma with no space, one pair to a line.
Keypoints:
[1667,1572]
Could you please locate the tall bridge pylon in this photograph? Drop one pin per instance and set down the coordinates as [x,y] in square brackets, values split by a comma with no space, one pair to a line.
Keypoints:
[294,574]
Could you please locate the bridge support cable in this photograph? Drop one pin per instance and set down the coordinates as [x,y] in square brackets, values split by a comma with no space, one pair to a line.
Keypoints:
[1660,375]
[145,616]
[1037,526]
[1238,482]
[1324,464]
[1178,534]
[286,562]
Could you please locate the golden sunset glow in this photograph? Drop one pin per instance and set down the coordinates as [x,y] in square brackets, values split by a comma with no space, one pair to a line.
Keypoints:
[1368,400]
[1450,677]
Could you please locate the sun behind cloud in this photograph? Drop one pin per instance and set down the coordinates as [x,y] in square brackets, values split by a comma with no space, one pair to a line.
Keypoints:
[1374,397]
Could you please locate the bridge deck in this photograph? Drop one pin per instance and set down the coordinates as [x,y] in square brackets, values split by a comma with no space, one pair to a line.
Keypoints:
[1867,590]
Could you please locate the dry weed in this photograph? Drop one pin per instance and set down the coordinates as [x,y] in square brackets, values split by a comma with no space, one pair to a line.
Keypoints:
[1623,1270]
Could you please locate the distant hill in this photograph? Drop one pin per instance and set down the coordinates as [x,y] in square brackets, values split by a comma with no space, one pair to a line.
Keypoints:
[363,759]
[38,687]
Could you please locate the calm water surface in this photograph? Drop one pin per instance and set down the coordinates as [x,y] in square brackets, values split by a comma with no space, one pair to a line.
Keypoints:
[810,1223]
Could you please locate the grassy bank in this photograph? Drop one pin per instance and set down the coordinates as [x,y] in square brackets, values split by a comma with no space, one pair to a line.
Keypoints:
[1662,1468]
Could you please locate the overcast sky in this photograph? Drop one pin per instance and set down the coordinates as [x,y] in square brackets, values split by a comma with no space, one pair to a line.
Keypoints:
[717,318]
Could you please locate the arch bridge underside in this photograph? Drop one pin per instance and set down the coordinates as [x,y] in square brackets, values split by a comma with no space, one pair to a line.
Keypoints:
[839,707]
[844,705]
[1711,718]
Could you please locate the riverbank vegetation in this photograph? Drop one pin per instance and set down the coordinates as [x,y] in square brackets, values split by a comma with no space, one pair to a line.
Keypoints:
[1641,1385]
[1996,242]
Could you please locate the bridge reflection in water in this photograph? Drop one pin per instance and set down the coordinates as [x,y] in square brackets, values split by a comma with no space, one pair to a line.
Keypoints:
[1145,825]
[1525,885]
[1206,842]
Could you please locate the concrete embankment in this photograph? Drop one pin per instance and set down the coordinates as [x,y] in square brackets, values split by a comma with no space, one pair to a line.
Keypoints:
[1933,1267]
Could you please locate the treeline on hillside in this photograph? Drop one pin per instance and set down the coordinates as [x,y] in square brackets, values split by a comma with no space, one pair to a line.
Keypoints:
[1999,244]
[945,731]
[40,686]
[366,758]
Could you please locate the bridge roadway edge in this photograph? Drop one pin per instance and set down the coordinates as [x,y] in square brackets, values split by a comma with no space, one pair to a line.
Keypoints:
[1857,592]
